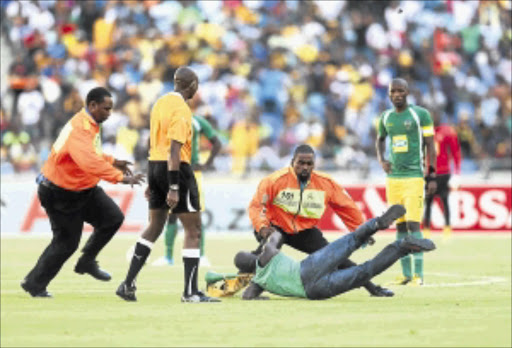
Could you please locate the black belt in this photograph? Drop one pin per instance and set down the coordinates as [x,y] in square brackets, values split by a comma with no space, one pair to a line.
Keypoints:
[42,180]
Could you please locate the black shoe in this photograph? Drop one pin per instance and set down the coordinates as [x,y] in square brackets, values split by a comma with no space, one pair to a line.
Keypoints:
[379,291]
[198,297]
[393,213]
[126,292]
[35,293]
[92,268]
[415,245]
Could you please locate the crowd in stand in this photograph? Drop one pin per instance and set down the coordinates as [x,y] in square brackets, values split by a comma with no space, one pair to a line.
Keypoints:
[273,73]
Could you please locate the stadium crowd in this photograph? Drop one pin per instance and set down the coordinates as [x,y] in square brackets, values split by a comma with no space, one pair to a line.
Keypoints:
[272,73]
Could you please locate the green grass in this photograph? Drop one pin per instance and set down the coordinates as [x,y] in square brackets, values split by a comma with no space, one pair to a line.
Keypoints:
[85,312]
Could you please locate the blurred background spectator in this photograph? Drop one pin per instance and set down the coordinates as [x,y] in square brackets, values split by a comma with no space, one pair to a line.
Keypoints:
[272,74]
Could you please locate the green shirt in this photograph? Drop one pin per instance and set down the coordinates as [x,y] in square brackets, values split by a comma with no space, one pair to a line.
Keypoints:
[200,126]
[406,130]
[281,276]
[471,38]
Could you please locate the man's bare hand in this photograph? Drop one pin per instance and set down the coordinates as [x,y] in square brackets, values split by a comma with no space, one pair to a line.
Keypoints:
[146,193]
[123,166]
[172,199]
[431,187]
[257,298]
[136,179]
[264,232]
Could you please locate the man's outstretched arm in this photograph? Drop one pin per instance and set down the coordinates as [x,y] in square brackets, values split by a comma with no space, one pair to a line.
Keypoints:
[271,248]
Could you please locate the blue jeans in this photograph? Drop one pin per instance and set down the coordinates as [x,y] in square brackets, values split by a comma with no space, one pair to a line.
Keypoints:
[320,274]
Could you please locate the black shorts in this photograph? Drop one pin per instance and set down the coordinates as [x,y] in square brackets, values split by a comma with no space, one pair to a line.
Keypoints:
[159,187]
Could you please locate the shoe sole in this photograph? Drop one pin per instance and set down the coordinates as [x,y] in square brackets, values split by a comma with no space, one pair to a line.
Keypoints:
[37,295]
[127,299]
[98,278]
[418,244]
[393,213]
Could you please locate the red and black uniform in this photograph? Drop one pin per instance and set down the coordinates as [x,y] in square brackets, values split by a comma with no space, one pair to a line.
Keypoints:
[447,150]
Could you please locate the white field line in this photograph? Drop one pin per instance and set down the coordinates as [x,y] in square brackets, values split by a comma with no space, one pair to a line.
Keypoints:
[477,280]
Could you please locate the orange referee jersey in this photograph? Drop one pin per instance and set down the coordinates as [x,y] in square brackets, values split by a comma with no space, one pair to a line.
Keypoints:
[171,119]
[279,201]
[76,161]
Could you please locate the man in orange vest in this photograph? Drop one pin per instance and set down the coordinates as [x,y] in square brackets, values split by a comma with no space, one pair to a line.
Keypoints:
[69,193]
[292,201]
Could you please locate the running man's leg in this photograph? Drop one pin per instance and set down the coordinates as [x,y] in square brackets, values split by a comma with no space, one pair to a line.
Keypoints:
[67,231]
[106,218]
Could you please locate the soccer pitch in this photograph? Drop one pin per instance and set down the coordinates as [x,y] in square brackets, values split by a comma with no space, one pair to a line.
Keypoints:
[466,302]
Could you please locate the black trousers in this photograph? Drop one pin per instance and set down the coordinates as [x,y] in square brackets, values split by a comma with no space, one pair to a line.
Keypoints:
[443,190]
[67,211]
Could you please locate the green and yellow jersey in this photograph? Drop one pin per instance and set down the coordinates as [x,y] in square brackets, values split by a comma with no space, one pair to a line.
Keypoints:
[406,130]
[200,126]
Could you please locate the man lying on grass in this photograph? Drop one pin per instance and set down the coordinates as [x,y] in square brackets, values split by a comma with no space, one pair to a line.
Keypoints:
[317,276]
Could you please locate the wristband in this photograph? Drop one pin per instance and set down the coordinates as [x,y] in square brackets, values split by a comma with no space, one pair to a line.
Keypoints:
[173,177]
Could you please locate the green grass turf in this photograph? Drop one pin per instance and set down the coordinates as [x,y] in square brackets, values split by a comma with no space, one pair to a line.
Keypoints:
[458,307]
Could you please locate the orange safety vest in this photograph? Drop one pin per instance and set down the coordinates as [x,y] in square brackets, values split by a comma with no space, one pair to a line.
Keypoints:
[76,161]
[281,202]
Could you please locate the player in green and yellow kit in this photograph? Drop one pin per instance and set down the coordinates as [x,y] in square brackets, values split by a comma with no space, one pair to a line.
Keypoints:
[409,128]
[200,127]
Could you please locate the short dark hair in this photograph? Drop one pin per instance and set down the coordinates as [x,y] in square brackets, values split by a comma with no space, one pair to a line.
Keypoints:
[246,262]
[304,148]
[97,94]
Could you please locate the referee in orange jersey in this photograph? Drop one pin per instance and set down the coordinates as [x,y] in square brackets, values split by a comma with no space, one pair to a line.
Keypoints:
[69,193]
[171,186]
